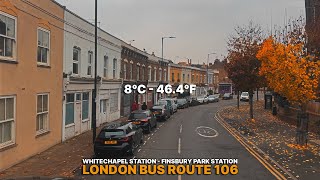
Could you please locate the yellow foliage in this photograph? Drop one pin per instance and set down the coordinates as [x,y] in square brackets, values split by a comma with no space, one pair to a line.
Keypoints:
[288,71]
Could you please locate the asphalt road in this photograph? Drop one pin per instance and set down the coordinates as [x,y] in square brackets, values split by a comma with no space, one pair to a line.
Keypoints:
[178,138]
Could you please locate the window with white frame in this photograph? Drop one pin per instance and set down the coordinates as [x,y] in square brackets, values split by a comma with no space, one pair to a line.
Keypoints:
[90,59]
[103,105]
[7,121]
[165,75]
[149,74]
[138,72]
[69,119]
[172,77]
[105,66]
[125,70]
[115,68]
[183,77]
[7,36]
[114,102]
[76,60]
[131,69]
[85,106]
[188,77]
[160,75]
[155,74]
[43,46]
[42,122]
[142,76]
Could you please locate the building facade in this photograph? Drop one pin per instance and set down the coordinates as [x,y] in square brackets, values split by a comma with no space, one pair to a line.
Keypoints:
[79,73]
[31,78]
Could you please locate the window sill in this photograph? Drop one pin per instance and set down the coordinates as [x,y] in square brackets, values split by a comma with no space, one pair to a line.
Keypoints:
[85,120]
[7,147]
[44,66]
[69,125]
[42,133]
[9,61]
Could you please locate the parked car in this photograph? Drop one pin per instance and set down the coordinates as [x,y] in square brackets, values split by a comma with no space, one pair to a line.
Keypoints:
[182,103]
[167,105]
[213,98]
[173,106]
[118,137]
[144,119]
[194,101]
[244,96]
[227,96]
[161,112]
[202,99]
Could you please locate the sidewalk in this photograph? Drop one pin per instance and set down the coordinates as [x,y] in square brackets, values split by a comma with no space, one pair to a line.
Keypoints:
[59,161]
[277,139]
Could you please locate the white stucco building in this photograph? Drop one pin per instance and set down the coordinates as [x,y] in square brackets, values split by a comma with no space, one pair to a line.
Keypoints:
[79,72]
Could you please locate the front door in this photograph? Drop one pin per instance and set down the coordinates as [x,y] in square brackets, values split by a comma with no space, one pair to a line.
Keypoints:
[77,119]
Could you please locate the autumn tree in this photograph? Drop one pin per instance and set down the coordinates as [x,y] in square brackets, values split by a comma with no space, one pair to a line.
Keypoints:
[290,70]
[243,66]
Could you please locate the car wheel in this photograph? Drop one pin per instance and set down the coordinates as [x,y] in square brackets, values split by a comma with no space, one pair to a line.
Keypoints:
[149,129]
[131,150]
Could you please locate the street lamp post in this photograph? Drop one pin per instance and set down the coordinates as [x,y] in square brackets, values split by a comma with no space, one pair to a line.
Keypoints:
[94,92]
[208,71]
[171,37]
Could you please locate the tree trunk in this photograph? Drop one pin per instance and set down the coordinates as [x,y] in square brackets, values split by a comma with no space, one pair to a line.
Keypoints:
[251,103]
[302,126]
[238,99]
[257,94]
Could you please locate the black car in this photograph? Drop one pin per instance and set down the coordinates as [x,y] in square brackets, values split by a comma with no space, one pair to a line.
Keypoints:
[227,96]
[182,103]
[161,112]
[144,119]
[117,138]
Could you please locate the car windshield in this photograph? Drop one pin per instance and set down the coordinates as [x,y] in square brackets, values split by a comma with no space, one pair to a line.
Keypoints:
[226,94]
[138,116]
[245,94]
[111,132]
[156,107]
[180,101]
[162,102]
[212,96]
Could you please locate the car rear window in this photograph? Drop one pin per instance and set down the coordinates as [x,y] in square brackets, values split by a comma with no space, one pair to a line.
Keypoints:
[156,108]
[111,132]
[138,116]
[163,102]
[245,94]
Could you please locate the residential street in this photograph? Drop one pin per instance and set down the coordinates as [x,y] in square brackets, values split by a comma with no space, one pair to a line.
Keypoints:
[164,143]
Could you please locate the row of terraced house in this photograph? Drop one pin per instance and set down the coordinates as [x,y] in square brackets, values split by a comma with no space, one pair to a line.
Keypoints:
[47,77]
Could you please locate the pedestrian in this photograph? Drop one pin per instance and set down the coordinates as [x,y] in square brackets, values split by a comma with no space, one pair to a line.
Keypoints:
[134,106]
[144,106]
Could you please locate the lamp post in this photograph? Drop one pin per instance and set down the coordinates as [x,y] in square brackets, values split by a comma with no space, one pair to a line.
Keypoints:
[208,71]
[94,92]
[170,37]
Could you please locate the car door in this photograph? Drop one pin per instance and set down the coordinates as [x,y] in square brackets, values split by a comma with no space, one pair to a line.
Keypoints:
[137,133]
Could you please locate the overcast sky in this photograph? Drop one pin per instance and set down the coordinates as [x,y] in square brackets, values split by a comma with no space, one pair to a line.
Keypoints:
[201,26]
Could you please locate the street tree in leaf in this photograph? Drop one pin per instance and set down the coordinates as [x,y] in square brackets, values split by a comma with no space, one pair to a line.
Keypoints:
[243,66]
[290,70]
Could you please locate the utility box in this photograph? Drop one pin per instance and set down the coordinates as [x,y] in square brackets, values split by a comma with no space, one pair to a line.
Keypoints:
[268,100]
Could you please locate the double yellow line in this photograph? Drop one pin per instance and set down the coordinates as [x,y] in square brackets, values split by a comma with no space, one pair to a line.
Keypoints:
[266,164]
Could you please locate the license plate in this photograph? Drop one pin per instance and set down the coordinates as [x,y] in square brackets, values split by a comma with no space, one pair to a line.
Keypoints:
[110,142]
[136,122]
[156,113]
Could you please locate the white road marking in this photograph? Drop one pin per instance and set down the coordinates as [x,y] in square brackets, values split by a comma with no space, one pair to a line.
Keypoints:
[206,132]
[179,177]
[145,143]
[139,150]
[179,146]
[134,157]
[152,134]
[148,138]
[180,128]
